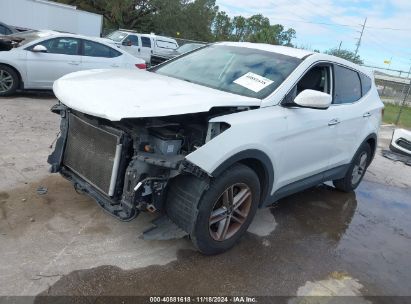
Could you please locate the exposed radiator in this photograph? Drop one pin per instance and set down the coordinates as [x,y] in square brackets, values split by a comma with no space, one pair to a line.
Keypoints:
[93,153]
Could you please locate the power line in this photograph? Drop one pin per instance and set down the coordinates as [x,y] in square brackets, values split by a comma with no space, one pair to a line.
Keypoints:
[345,25]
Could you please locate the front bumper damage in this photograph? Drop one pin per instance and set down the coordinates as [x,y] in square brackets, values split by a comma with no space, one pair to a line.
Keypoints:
[138,180]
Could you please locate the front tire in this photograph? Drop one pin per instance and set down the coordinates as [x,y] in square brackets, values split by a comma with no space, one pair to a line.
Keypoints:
[226,210]
[356,170]
[9,81]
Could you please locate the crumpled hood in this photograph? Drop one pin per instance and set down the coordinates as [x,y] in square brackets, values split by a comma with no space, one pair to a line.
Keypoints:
[117,94]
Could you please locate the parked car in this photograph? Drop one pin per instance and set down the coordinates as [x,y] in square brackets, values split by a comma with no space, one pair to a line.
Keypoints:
[143,45]
[185,48]
[401,142]
[7,29]
[35,59]
[210,136]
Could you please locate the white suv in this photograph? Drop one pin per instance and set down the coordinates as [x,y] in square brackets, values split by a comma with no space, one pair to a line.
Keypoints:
[207,138]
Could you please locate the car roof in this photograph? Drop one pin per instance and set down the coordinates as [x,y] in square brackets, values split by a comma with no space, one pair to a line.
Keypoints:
[54,34]
[279,49]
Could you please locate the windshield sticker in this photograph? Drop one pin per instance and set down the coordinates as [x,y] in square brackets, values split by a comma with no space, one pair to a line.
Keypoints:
[253,82]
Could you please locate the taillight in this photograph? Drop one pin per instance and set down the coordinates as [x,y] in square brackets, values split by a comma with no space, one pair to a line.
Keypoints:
[141,66]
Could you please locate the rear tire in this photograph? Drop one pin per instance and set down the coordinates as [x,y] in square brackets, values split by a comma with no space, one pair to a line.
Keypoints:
[356,171]
[9,81]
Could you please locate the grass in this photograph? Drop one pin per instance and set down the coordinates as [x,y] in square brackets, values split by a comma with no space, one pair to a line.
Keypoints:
[391,112]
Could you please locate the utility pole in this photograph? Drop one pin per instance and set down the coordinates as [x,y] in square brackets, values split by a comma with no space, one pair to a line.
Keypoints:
[359,39]
[339,47]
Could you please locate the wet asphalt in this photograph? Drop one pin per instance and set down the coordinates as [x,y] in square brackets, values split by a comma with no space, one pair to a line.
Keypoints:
[319,232]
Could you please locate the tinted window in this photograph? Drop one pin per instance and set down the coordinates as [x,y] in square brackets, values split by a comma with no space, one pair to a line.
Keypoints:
[8,32]
[347,85]
[2,30]
[131,40]
[64,46]
[365,84]
[146,42]
[166,44]
[94,49]
[232,69]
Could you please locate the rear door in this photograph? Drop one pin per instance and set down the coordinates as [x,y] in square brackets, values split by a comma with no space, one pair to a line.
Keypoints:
[349,115]
[62,57]
[100,56]
[146,48]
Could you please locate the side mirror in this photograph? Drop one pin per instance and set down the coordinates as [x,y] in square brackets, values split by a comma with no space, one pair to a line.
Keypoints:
[313,99]
[39,49]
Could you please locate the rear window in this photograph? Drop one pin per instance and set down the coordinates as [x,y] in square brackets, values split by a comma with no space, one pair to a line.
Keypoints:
[243,71]
[116,36]
[166,44]
[365,84]
[347,85]
[94,49]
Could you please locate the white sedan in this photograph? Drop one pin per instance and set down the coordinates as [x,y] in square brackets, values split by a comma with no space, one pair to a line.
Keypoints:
[36,59]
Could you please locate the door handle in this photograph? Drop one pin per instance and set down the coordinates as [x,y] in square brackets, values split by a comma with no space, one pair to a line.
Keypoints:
[334,122]
[74,63]
[368,114]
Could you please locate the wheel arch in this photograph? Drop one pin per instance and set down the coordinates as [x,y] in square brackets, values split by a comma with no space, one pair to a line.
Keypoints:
[21,81]
[256,160]
[371,140]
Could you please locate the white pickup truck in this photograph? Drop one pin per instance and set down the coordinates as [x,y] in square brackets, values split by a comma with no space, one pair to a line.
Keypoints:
[144,46]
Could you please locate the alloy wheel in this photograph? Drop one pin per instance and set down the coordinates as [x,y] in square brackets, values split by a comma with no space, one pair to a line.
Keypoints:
[230,212]
[6,81]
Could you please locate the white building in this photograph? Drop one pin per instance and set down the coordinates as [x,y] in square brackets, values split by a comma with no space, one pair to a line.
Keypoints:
[42,14]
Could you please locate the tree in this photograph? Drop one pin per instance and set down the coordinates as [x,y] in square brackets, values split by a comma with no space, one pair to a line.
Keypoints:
[117,13]
[345,54]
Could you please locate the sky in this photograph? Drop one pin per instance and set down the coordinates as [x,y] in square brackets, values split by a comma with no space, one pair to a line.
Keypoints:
[341,21]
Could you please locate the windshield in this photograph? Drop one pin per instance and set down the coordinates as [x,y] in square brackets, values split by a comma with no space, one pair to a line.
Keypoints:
[244,71]
[117,36]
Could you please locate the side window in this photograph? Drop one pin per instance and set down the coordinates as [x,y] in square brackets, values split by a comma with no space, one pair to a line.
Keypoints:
[8,31]
[347,85]
[145,42]
[318,79]
[94,49]
[131,40]
[166,44]
[63,46]
[2,30]
[365,84]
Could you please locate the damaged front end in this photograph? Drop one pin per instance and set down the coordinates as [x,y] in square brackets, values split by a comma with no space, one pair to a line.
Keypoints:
[126,166]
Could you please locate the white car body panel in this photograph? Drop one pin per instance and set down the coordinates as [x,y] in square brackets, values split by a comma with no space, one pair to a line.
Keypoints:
[40,70]
[118,94]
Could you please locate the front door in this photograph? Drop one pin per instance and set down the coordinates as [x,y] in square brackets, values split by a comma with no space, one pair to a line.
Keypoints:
[62,57]
[309,142]
[131,44]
